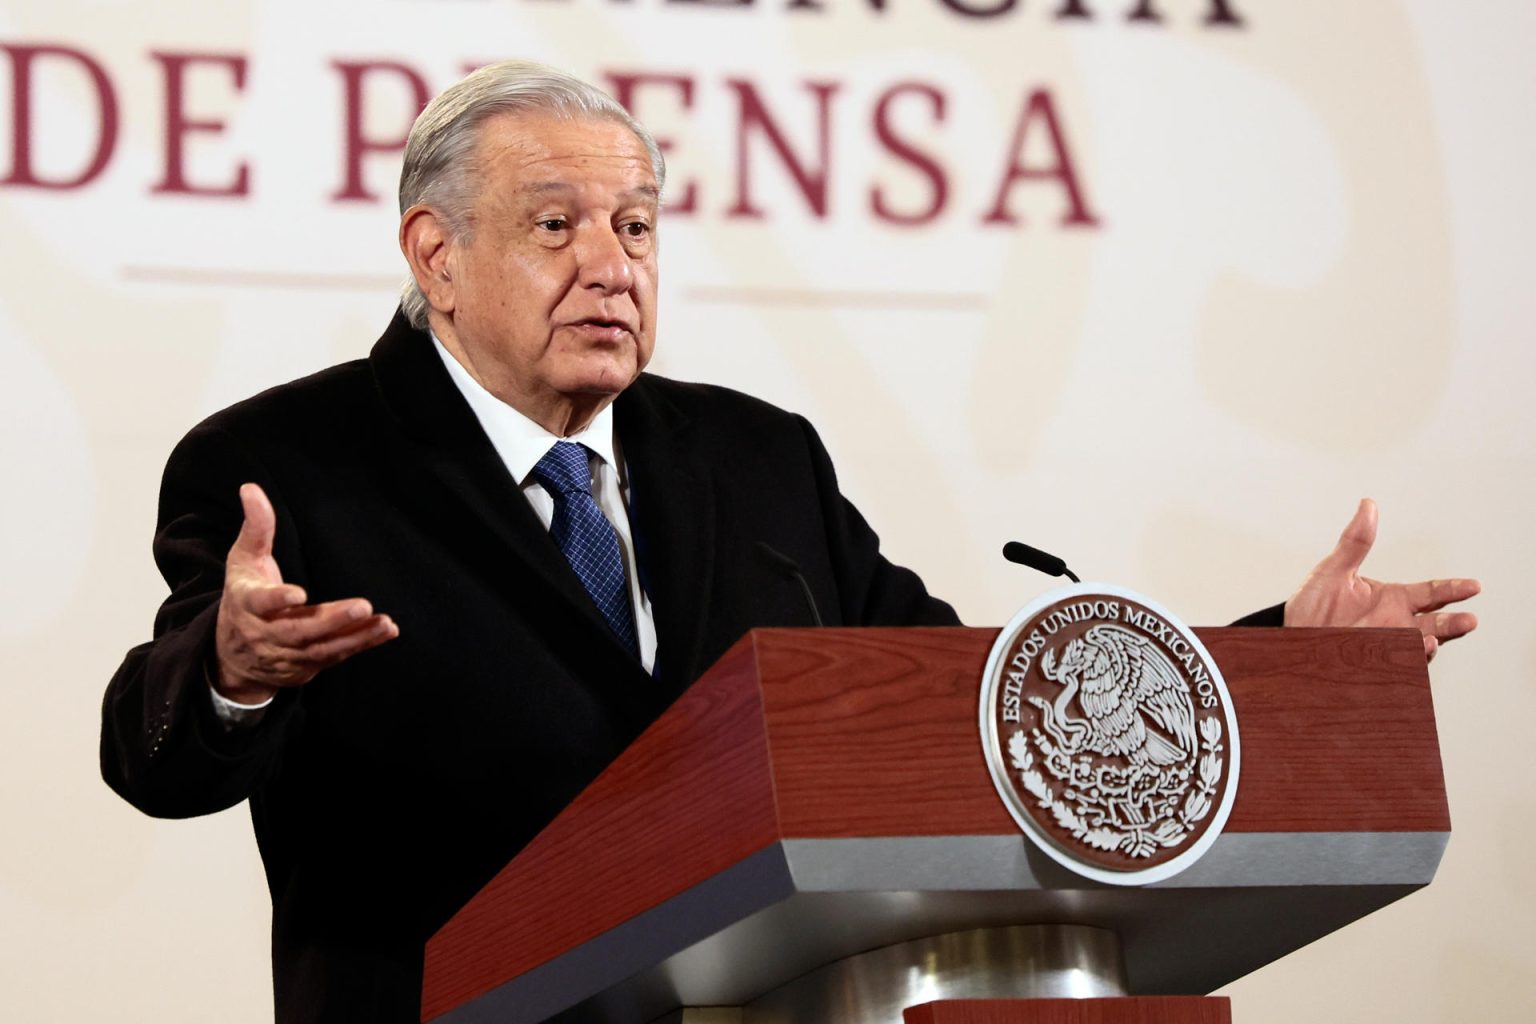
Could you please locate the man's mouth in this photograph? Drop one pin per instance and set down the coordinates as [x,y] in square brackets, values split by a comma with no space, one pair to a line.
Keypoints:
[603,328]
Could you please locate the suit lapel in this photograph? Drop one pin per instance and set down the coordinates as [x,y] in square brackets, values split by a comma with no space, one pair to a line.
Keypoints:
[672,509]
[455,466]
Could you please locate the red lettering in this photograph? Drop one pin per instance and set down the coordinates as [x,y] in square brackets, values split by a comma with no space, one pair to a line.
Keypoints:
[624,87]
[1039,107]
[23,59]
[960,7]
[358,144]
[939,183]
[878,6]
[1220,13]
[812,182]
[178,125]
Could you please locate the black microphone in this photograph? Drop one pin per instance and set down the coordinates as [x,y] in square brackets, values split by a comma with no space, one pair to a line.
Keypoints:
[1038,560]
[790,569]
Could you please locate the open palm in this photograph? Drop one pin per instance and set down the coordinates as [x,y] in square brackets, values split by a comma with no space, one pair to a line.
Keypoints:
[1335,594]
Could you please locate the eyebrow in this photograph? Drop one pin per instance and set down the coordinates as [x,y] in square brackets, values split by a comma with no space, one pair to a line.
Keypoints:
[543,188]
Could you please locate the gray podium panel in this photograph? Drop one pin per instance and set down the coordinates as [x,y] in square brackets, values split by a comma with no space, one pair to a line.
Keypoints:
[800,904]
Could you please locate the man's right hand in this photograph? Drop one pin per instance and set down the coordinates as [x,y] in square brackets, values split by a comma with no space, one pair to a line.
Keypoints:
[267,637]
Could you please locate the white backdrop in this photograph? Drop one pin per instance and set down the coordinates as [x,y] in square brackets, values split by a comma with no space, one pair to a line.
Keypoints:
[1308,279]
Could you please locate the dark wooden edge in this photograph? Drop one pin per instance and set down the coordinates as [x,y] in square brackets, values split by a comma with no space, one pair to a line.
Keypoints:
[1128,1010]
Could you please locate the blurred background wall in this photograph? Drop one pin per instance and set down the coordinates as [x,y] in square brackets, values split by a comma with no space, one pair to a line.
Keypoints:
[1161,286]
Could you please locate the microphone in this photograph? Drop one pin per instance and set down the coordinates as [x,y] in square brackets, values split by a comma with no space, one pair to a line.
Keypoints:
[790,570]
[1038,560]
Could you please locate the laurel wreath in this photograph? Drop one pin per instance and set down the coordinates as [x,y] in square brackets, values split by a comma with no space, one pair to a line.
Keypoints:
[1137,841]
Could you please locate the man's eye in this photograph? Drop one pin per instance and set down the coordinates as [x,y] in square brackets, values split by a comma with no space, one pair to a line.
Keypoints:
[553,224]
[636,229]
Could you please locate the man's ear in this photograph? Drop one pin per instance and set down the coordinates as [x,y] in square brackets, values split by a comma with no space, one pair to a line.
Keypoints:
[426,243]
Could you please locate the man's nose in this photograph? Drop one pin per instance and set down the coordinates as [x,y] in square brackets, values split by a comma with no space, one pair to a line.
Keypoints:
[602,261]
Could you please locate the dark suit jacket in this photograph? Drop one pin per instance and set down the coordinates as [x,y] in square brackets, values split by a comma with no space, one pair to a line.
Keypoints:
[390,788]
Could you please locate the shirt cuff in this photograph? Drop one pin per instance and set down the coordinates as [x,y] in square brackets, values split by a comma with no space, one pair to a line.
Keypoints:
[234,715]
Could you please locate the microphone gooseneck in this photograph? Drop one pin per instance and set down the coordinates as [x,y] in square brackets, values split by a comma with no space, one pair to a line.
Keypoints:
[790,569]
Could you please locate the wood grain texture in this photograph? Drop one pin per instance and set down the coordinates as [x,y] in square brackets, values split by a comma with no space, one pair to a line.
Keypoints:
[875,732]
[1338,730]
[1129,1010]
[835,733]
[690,798]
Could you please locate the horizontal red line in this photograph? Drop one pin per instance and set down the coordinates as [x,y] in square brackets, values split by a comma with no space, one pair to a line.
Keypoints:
[734,296]
[821,298]
[260,278]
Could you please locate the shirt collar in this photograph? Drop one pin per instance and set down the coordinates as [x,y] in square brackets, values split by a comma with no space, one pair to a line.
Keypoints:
[520,441]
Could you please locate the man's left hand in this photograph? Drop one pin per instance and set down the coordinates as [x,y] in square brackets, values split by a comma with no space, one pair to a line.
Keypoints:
[1335,594]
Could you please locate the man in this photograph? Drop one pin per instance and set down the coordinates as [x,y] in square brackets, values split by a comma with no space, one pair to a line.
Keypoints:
[419,601]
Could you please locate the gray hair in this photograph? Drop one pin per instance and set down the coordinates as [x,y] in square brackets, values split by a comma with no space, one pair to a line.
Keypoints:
[439,152]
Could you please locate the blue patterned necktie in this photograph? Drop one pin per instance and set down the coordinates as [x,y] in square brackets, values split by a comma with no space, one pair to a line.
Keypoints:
[586,537]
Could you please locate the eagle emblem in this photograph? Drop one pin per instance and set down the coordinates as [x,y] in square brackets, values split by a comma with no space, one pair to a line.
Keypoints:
[1124,685]
[1110,734]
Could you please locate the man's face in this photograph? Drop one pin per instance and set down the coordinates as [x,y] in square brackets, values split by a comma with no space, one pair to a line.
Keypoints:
[554,294]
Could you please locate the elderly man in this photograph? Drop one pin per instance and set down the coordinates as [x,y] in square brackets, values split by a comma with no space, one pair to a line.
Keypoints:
[418,601]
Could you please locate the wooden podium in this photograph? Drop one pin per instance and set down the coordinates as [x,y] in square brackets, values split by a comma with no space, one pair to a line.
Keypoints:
[818,805]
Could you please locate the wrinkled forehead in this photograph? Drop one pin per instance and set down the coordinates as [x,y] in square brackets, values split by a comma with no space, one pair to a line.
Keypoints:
[541,150]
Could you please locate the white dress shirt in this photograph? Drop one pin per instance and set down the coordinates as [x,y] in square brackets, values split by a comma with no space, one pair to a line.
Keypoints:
[521,443]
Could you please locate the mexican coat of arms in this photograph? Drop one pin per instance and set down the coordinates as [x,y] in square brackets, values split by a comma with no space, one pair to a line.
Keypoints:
[1110,734]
